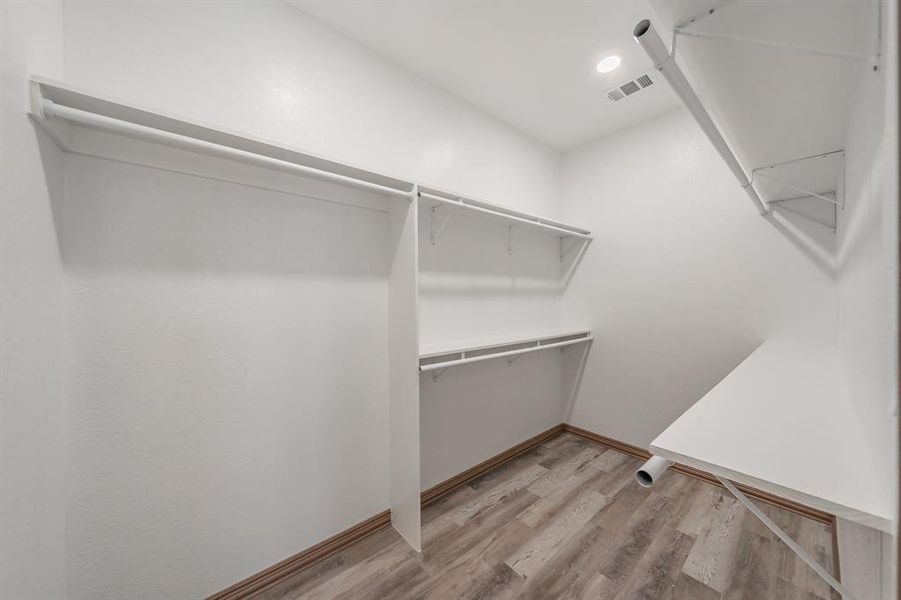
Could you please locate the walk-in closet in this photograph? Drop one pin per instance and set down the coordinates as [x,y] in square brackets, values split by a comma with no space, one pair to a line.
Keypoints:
[436,299]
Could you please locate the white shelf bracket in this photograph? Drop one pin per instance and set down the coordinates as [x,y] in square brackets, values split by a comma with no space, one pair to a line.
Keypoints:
[513,359]
[807,193]
[838,202]
[822,572]
[510,240]
[564,250]
[437,374]
[437,231]
[872,58]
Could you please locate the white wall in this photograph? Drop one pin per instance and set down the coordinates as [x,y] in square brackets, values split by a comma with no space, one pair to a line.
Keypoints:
[227,380]
[684,278]
[208,440]
[868,278]
[267,69]
[471,286]
[868,259]
[477,411]
[32,406]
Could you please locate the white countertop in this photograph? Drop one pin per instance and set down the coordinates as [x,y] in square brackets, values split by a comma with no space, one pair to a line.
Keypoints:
[783,422]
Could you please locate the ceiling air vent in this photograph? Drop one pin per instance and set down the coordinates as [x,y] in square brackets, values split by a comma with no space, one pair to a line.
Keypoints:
[630,87]
[644,81]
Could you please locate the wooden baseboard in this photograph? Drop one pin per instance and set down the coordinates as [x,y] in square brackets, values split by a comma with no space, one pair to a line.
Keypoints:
[282,571]
[795,507]
[446,487]
[279,572]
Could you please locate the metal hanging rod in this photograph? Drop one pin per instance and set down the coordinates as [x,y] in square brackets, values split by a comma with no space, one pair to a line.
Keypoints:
[48,109]
[663,61]
[558,228]
[481,357]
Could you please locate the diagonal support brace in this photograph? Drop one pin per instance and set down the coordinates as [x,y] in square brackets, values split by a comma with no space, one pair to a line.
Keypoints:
[564,250]
[817,567]
[436,232]
[796,188]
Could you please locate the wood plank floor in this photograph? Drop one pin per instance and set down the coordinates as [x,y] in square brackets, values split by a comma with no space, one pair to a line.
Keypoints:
[566,520]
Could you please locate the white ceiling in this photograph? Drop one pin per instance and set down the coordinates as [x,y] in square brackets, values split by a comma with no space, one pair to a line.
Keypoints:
[530,63]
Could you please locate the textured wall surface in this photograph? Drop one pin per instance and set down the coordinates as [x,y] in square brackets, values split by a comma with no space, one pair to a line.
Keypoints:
[684,278]
[227,381]
[265,68]
[32,405]
[868,294]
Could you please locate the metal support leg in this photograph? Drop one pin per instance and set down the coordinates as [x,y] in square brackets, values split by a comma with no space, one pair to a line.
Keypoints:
[788,541]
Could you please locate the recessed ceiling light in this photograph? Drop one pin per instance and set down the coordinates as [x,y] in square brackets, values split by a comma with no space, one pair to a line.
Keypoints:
[608,64]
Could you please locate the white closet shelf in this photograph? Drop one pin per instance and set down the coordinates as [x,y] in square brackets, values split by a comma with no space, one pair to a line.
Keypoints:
[54,104]
[439,356]
[783,422]
[513,217]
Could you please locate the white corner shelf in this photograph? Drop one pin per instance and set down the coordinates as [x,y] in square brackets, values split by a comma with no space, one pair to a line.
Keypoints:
[786,155]
[439,356]
[783,422]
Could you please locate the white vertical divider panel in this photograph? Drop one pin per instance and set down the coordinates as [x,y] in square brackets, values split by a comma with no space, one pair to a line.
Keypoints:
[403,373]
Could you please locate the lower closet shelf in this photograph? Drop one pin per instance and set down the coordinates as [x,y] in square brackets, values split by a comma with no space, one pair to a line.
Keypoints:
[437,357]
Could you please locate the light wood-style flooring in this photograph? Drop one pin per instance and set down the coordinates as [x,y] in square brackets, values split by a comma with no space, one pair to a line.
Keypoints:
[567,520]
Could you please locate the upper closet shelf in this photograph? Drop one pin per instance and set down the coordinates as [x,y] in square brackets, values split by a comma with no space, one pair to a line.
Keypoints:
[512,217]
[782,422]
[785,149]
[54,104]
[439,356]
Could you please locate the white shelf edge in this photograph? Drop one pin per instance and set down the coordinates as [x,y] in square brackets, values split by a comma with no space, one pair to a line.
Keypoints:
[504,348]
[508,214]
[880,522]
[431,349]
